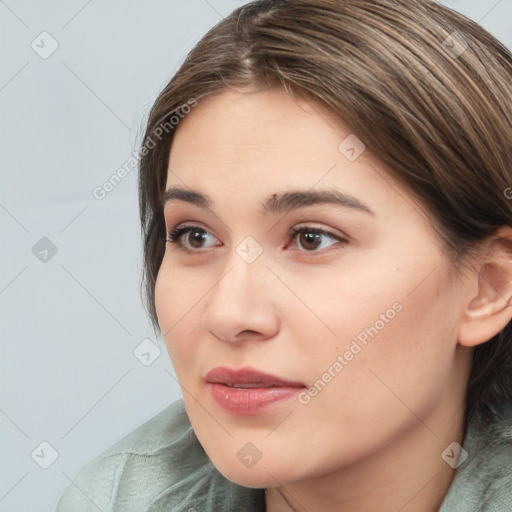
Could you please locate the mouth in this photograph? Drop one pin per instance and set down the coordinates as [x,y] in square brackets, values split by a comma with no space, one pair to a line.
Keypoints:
[248,391]
[247,377]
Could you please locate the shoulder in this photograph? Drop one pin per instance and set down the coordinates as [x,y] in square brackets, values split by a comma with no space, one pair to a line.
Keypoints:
[483,481]
[159,466]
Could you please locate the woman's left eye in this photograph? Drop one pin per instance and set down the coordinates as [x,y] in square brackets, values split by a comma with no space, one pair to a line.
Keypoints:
[314,239]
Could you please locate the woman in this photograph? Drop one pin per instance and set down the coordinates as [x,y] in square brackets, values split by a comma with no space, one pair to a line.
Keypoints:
[327,223]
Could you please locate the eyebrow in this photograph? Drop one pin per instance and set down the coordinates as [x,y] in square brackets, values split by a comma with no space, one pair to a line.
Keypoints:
[276,203]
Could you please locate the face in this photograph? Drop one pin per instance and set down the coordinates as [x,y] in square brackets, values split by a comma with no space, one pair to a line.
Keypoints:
[307,301]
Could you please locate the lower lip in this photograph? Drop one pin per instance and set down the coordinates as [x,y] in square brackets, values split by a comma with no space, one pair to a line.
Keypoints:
[250,401]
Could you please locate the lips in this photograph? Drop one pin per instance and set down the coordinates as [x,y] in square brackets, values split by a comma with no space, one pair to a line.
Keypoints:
[248,391]
[248,378]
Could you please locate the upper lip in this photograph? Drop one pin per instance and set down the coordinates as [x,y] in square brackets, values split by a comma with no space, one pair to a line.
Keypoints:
[247,377]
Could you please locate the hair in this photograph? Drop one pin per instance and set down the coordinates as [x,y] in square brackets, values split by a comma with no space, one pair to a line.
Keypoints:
[427,90]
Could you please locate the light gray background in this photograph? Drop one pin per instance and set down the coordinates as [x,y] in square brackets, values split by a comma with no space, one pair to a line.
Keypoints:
[69,325]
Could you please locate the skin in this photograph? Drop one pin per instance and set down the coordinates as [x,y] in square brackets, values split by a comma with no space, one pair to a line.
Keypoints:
[372,438]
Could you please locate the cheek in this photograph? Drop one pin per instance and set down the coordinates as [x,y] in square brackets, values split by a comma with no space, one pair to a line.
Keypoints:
[390,329]
[394,348]
[177,302]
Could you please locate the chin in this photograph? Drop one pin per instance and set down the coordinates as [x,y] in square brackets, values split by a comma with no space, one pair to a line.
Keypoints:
[257,479]
[263,474]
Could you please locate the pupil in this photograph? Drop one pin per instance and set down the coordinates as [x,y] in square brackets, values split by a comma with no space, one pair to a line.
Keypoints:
[197,238]
[311,238]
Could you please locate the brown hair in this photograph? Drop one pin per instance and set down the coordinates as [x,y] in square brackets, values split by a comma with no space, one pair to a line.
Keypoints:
[428,91]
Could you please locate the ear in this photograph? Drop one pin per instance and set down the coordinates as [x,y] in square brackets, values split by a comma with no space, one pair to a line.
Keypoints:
[487,312]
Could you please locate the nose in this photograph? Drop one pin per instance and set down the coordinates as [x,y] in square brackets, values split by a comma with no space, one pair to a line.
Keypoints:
[242,305]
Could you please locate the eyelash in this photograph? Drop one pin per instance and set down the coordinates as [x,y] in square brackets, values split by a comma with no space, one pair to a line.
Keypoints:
[175,237]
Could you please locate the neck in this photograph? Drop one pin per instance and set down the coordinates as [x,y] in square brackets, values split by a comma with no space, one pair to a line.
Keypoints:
[408,475]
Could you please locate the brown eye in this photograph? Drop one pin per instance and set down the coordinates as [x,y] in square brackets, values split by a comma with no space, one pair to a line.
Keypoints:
[190,238]
[312,239]
[196,237]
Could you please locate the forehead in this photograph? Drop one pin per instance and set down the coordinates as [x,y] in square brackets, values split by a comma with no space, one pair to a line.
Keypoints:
[257,144]
[267,125]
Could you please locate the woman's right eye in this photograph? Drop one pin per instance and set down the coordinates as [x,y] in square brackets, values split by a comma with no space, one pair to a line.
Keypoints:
[189,238]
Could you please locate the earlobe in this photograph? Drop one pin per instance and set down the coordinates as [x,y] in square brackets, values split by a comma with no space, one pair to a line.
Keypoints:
[490,310]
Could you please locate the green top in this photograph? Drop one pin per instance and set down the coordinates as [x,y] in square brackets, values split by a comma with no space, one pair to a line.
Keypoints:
[161,466]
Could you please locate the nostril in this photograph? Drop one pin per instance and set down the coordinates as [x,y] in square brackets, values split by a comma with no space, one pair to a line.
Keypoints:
[247,332]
